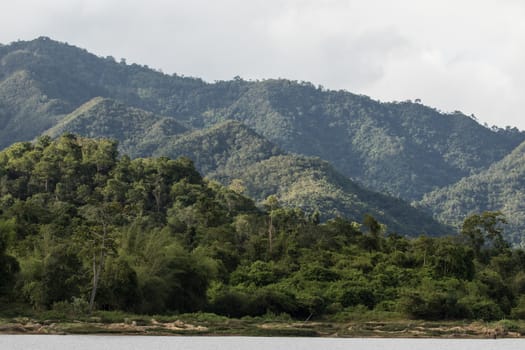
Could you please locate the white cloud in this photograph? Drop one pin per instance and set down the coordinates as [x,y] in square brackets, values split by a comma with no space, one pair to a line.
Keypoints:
[455,55]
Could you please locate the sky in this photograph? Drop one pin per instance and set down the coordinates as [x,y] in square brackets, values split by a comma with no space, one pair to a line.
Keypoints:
[465,55]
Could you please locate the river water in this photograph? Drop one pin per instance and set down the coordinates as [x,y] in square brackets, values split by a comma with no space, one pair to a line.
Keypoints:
[95,342]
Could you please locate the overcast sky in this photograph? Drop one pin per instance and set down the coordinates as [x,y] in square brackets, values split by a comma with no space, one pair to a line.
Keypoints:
[466,55]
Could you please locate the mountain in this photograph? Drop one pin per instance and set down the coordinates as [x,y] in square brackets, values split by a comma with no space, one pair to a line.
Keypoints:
[313,184]
[138,131]
[405,149]
[230,150]
[43,78]
[499,188]
[221,151]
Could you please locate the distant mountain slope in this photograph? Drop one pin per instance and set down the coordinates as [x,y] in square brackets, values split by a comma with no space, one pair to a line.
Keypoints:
[226,148]
[230,150]
[139,132]
[405,149]
[501,187]
[25,110]
[313,184]
[75,76]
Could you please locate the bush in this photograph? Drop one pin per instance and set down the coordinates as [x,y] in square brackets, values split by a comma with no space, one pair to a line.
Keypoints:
[358,296]
[481,308]
[433,305]
[509,326]
[230,303]
[518,312]
[74,308]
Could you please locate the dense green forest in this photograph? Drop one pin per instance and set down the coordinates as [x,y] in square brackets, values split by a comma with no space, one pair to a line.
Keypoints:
[139,132]
[243,130]
[230,151]
[404,148]
[82,227]
[500,186]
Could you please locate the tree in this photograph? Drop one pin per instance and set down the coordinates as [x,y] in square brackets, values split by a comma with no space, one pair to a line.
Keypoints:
[8,265]
[480,229]
[375,229]
[100,229]
[271,203]
[62,276]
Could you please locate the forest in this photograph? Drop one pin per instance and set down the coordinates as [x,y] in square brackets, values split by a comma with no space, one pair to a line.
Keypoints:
[344,154]
[84,228]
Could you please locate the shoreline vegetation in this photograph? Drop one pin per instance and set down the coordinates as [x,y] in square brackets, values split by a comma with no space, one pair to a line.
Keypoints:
[255,238]
[89,240]
[206,324]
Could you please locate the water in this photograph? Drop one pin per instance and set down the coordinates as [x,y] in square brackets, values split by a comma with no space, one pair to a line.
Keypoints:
[94,342]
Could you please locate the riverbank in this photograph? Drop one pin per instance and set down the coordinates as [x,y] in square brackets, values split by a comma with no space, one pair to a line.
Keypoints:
[208,325]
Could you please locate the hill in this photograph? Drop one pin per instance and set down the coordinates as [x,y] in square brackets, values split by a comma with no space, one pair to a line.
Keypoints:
[499,188]
[230,151]
[139,132]
[314,185]
[405,149]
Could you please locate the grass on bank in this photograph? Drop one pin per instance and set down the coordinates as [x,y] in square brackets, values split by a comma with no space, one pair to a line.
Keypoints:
[350,322]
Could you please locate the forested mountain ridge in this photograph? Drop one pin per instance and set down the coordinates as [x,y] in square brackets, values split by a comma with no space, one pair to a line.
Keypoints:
[229,151]
[499,188]
[405,149]
[67,77]
[138,132]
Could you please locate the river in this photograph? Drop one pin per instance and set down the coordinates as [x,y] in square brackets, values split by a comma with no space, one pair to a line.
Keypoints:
[96,342]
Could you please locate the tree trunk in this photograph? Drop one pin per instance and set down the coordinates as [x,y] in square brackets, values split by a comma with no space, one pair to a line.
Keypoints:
[270,229]
[97,268]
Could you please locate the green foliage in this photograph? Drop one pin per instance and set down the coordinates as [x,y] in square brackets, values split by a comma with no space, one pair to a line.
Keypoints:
[485,228]
[87,229]
[404,149]
[498,189]
[85,222]
[435,300]
[9,266]
[159,235]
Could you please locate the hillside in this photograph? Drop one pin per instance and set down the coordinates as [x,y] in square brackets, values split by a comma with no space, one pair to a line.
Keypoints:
[402,149]
[230,151]
[499,188]
[139,132]
[224,149]
[312,184]
[68,77]
[405,149]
